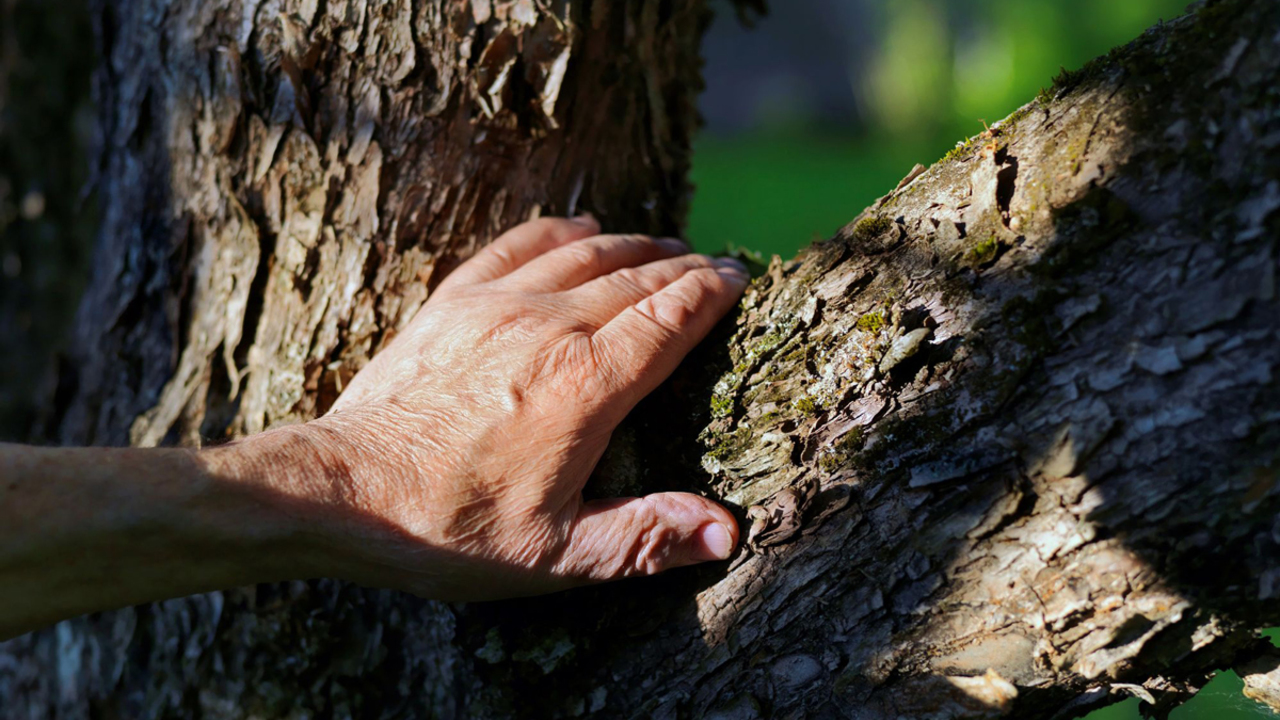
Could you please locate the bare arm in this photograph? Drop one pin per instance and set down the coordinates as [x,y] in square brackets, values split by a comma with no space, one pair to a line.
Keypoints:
[451,467]
[95,529]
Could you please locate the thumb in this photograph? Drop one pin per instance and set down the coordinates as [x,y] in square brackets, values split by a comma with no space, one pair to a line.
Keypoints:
[626,537]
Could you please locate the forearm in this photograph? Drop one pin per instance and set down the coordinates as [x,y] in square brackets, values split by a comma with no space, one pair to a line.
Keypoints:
[83,530]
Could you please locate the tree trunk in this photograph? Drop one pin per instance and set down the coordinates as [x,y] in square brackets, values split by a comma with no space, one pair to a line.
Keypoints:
[1024,406]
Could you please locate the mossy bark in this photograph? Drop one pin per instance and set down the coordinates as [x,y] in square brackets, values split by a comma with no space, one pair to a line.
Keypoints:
[1031,393]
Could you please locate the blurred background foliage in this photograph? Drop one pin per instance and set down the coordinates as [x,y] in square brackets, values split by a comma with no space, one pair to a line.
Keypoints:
[823,106]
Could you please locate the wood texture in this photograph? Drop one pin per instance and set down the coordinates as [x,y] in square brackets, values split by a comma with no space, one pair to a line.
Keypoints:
[1033,389]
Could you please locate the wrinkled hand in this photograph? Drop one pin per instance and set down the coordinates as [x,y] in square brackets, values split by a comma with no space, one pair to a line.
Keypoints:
[462,449]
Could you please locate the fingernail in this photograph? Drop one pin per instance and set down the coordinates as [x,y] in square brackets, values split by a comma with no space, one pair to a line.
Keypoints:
[732,264]
[673,244]
[732,269]
[586,220]
[714,542]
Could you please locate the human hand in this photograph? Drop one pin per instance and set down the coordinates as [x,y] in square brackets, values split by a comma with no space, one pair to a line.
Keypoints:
[456,459]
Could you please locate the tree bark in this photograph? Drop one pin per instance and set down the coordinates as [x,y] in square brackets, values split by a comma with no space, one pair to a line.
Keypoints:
[1025,404]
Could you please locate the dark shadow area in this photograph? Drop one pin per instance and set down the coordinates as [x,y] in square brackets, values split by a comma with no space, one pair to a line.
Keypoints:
[47,220]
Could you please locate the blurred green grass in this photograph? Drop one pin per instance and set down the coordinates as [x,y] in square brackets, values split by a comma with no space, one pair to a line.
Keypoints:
[776,193]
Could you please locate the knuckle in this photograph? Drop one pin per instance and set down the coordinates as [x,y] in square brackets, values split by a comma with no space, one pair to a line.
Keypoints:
[501,254]
[669,311]
[586,255]
[641,544]
[649,553]
[567,366]
[707,280]
[503,331]
[633,280]
[611,377]
[630,276]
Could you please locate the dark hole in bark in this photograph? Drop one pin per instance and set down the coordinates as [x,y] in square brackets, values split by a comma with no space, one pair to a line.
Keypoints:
[1133,628]
[1006,183]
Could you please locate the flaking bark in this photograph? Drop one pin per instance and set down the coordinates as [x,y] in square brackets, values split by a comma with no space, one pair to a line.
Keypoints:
[1035,388]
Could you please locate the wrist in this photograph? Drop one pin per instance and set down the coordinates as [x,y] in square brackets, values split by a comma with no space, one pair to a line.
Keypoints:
[285,489]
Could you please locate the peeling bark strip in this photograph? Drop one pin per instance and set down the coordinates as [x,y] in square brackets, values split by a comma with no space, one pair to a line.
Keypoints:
[1018,420]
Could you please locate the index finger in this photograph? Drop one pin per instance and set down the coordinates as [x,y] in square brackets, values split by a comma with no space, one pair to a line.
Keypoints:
[642,346]
[518,246]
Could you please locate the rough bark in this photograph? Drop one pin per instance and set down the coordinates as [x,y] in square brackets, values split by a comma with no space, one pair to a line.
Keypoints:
[1031,392]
